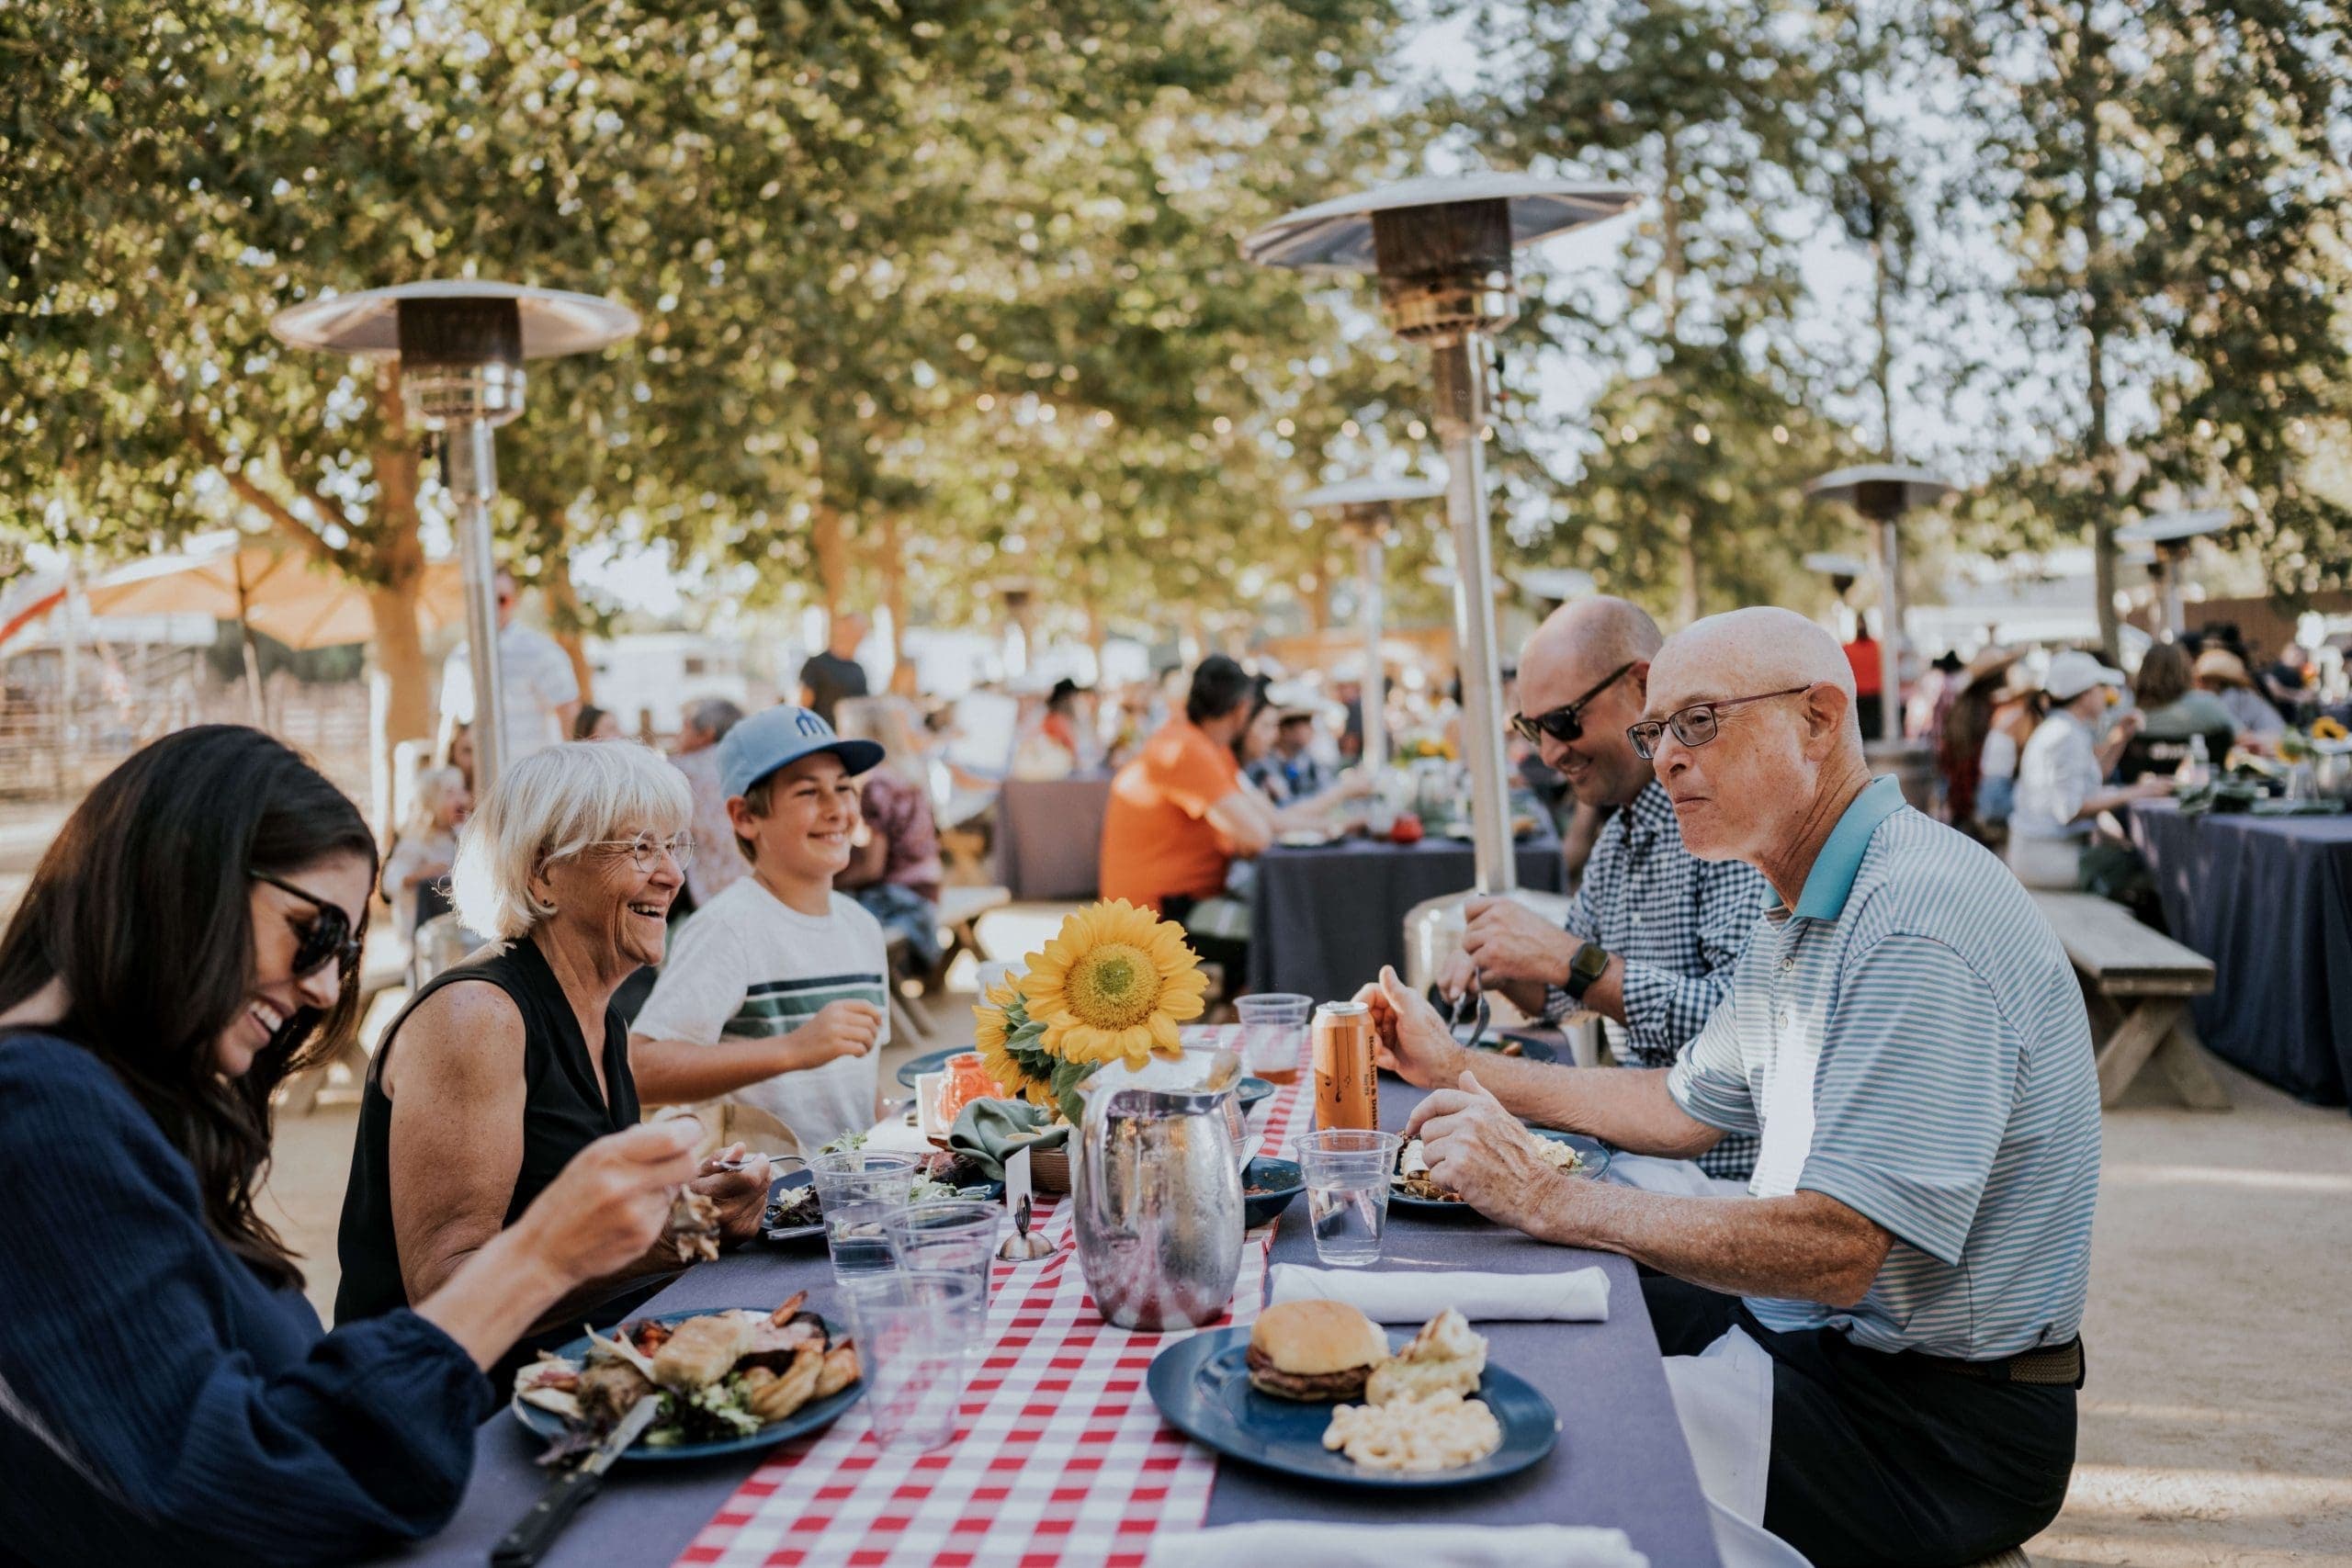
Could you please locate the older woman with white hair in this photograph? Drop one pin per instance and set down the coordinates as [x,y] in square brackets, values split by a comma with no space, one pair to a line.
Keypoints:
[502,1069]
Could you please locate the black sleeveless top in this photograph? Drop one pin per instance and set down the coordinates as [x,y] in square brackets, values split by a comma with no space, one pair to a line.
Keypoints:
[562,1113]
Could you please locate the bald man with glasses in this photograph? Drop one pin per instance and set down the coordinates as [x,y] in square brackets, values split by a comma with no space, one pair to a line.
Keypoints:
[1875,1353]
[1652,937]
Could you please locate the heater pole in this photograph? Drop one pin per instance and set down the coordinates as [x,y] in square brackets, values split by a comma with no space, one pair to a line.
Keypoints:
[2169,560]
[1890,635]
[1460,366]
[472,476]
[1372,563]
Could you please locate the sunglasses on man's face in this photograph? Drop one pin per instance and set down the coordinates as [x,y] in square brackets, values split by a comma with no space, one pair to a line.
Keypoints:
[1565,723]
[327,938]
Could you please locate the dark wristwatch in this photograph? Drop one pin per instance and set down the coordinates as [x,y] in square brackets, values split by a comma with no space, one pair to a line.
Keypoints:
[1590,964]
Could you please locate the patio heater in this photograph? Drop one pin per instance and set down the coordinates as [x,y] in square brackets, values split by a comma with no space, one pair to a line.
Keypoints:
[2172,534]
[461,345]
[1843,571]
[1020,602]
[1367,515]
[1883,492]
[1441,248]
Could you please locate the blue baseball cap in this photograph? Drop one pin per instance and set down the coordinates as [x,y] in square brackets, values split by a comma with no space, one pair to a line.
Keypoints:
[783,735]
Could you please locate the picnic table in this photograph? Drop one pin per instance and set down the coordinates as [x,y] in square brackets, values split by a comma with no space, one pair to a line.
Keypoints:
[2268,899]
[1061,1458]
[1049,835]
[1323,920]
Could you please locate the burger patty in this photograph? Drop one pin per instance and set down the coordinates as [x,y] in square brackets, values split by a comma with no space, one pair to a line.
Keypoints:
[1308,1387]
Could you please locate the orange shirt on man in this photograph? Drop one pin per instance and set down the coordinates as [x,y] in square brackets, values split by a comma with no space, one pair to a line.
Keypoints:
[1862,657]
[1157,841]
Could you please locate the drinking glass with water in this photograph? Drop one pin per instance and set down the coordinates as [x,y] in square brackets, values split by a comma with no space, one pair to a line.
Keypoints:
[1347,1170]
[858,1190]
[920,1335]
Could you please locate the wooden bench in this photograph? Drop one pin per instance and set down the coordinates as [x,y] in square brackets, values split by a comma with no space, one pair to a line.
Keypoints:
[2137,984]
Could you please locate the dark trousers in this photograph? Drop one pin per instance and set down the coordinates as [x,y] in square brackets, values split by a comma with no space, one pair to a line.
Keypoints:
[1880,1458]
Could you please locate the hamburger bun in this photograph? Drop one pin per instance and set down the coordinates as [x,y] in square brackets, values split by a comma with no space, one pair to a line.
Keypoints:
[1313,1351]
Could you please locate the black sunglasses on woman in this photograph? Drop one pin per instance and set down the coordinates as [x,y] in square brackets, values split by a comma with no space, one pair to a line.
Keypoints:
[327,938]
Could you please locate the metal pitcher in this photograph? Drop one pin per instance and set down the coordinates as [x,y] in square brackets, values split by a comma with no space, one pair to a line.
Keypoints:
[1157,1186]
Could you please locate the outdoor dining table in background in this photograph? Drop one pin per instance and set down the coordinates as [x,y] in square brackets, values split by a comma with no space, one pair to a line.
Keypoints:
[1621,1461]
[2268,899]
[1322,921]
[1049,835]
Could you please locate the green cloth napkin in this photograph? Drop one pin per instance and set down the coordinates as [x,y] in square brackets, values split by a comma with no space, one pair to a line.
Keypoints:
[988,1131]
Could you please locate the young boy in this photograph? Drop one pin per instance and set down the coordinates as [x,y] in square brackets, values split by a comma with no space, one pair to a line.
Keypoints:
[772,1000]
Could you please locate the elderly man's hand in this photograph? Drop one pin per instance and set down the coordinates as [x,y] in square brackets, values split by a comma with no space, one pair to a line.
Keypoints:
[1482,1151]
[1407,1036]
[1508,940]
[742,1195]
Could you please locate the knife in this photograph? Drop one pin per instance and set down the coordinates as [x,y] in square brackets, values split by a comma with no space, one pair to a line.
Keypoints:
[529,1539]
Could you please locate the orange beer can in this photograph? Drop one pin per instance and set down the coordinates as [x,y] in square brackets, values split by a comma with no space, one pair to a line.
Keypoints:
[1347,1082]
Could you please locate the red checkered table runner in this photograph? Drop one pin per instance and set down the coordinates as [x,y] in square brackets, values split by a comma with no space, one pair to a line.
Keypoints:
[1059,1458]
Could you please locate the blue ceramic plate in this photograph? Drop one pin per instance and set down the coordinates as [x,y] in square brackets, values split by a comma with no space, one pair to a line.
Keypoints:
[1530,1047]
[813,1416]
[1282,1180]
[1202,1386]
[1250,1092]
[793,1180]
[1591,1151]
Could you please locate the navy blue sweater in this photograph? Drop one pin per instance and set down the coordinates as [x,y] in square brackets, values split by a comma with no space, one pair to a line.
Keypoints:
[158,1401]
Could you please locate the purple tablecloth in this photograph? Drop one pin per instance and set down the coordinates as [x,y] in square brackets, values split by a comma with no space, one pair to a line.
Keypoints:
[2268,899]
[1049,836]
[1322,921]
[1621,1460]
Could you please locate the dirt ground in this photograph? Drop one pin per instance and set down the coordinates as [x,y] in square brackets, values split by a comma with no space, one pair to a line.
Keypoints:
[2216,1428]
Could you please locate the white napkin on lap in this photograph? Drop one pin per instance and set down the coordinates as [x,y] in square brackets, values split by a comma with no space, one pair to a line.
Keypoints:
[1415,1295]
[1302,1543]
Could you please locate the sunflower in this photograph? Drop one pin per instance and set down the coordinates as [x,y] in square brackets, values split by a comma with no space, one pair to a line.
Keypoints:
[988,1031]
[1112,985]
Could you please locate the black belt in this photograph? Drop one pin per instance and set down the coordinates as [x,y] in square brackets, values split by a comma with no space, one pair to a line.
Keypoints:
[2047,1366]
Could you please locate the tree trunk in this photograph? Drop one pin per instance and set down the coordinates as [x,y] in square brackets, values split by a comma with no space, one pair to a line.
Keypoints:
[830,538]
[892,566]
[1883,366]
[1669,295]
[2098,322]
[398,580]
[563,611]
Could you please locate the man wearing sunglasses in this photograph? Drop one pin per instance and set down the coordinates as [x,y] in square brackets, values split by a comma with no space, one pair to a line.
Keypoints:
[1891,1319]
[1652,937]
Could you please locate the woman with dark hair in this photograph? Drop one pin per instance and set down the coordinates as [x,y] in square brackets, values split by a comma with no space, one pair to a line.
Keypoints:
[166,1393]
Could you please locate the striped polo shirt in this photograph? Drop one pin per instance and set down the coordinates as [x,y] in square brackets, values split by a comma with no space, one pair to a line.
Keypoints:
[1911,1041]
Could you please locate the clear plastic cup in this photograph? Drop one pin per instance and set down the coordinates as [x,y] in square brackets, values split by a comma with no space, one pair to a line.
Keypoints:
[1347,1170]
[919,1338]
[1273,1033]
[948,1236]
[859,1191]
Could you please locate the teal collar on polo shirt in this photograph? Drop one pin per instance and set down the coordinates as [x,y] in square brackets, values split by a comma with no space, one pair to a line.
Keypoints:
[1832,877]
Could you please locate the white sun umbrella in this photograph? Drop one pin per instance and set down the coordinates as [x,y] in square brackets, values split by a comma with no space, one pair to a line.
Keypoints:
[1442,248]
[1883,492]
[264,588]
[461,344]
[2172,534]
[1366,510]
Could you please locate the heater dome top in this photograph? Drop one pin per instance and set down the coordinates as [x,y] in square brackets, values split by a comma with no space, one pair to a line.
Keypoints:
[1920,486]
[2169,527]
[554,320]
[1370,492]
[1336,235]
[1830,564]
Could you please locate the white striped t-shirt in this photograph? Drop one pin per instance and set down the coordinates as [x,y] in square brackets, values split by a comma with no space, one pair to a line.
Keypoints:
[745,964]
[1911,1041]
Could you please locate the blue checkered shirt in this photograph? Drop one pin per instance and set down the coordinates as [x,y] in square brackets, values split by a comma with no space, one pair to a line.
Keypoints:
[1680,924]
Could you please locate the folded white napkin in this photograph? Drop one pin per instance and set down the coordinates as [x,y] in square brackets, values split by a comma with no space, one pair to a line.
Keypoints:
[1415,1295]
[1300,1543]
